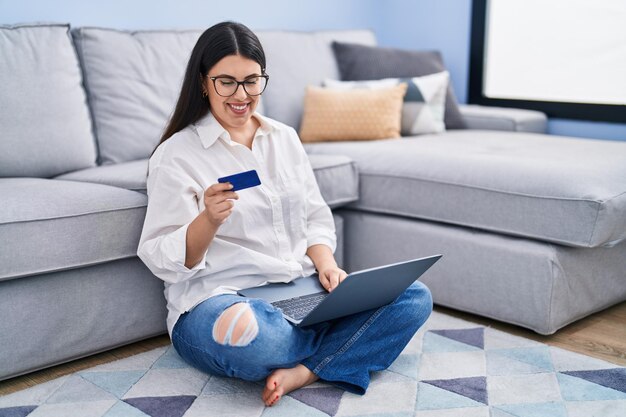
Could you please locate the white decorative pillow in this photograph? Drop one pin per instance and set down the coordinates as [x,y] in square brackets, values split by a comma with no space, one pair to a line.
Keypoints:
[424,102]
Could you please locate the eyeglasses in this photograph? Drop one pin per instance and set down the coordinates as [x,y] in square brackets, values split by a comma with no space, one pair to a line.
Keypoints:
[227,86]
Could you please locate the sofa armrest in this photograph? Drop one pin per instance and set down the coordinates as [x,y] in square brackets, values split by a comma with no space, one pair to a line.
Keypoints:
[502,118]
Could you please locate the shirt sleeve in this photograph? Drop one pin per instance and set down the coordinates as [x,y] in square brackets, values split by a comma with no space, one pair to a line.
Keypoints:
[172,206]
[320,222]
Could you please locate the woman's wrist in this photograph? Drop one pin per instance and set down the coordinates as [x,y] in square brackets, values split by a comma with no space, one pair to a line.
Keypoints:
[322,257]
[200,234]
[323,266]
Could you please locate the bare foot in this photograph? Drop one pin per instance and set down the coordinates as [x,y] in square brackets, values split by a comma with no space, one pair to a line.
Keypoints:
[283,381]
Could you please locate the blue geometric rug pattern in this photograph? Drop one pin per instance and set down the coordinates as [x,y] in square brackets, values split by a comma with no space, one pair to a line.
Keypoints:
[450,368]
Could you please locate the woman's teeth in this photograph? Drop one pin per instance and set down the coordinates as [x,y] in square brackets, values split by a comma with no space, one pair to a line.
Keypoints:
[238,108]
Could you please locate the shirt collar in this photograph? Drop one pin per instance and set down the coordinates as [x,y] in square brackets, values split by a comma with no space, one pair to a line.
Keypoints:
[210,130]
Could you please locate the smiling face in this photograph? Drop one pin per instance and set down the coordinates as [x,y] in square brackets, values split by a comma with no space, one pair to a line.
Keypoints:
[232,112]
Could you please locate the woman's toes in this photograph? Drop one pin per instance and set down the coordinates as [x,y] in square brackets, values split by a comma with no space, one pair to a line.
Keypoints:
[283,381]
[274,400]
[271,392]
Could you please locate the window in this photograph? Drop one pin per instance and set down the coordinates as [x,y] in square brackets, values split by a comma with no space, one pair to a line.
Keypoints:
[566,58]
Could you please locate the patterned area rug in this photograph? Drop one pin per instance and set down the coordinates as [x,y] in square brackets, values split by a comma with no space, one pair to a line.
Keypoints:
[451,368]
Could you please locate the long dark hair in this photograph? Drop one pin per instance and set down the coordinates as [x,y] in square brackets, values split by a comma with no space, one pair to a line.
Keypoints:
[218,41]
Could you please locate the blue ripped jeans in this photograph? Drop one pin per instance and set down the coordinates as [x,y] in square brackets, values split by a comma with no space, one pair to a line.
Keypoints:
[342,352]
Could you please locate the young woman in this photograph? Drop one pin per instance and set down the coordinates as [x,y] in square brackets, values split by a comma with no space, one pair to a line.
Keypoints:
[206,241]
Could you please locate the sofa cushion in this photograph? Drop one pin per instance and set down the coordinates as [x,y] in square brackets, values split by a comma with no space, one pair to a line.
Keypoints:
[503,118]
[359,114]
[558,189]
[336,176]
[128,175]
[51,225]
[360,62]
[296,60]
[133,80]
[45,127]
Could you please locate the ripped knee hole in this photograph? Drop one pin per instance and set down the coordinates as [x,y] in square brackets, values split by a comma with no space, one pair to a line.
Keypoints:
[236,326]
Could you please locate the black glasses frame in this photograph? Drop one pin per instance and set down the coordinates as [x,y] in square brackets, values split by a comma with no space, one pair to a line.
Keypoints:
[241,83]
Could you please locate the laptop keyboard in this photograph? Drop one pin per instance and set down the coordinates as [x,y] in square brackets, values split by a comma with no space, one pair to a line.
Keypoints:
[298,307]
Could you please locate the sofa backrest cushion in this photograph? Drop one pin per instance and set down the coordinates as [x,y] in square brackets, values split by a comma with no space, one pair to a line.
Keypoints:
[133,80]
[45,128]
[296,60]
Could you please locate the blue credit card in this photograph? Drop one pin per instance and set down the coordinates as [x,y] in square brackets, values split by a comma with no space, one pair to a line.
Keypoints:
[242,180]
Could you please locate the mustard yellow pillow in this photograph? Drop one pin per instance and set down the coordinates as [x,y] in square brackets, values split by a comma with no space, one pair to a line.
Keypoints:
[352,114]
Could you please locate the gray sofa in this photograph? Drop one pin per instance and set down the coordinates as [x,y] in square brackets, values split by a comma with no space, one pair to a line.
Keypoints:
[531,226]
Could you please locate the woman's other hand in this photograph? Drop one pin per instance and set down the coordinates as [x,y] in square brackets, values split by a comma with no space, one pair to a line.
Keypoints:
[218,202]
[331,277]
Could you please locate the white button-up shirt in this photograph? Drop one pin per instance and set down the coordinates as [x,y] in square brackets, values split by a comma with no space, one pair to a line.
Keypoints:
[265,238]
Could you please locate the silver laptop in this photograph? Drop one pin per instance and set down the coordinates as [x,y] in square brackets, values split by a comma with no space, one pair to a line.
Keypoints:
[304,301]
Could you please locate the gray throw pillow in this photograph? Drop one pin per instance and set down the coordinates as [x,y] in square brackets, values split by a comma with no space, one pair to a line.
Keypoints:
[359,62]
